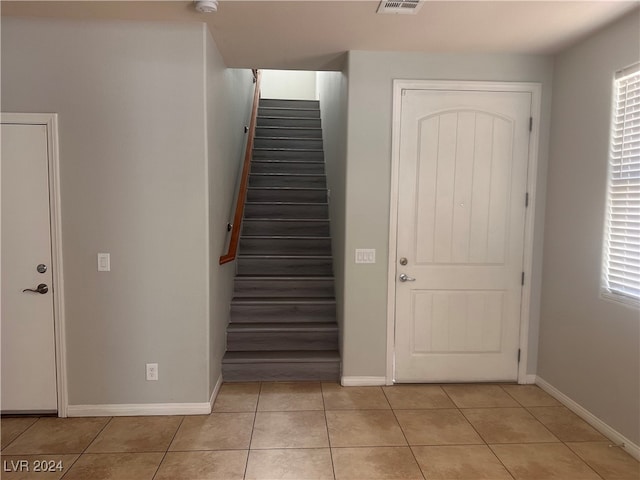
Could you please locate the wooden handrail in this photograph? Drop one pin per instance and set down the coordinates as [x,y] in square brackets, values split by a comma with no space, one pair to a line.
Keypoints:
[242,191]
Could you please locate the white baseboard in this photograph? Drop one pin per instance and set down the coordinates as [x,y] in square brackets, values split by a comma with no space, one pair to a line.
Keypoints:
[145,409]
[363,381]
[615,436]
[528,380]
[214,394]
[139,409]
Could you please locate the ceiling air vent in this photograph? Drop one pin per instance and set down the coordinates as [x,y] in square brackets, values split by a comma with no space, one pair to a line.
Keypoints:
[407,7]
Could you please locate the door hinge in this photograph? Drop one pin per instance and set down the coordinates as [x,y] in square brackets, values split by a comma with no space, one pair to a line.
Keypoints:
[526,199]
[522,280]
[531,124]
[518,355]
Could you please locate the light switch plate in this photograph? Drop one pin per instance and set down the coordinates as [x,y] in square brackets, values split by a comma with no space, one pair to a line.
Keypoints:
[104,262]
[365,255]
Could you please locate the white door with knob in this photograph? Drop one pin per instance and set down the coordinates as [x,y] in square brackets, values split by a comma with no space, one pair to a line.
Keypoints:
[462,179]
[28,335]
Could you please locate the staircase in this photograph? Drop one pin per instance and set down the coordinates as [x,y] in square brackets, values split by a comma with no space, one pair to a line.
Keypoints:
[283,324]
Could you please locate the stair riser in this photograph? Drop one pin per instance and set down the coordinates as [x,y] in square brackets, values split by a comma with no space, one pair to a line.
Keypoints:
[256,372]
[306,143]
[283,313]
[291,132]
[283,180]
[268,341]
[285,246]
[266,210]
[319,228]
[283,288]
[288,266]
[279,154]
[286,195]
[276,102]
[288,122]
[287,167]
[288,112]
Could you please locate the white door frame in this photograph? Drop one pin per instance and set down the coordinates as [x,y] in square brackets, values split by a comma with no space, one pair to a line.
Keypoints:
[535,89]
[50,121]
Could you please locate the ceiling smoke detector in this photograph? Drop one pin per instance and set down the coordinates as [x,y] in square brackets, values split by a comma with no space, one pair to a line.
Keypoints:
[206,6]
[403,7]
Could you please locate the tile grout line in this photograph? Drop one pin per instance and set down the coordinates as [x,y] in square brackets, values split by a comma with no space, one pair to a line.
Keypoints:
[30,426]
[544,443]
[253,427]
[21,433]
[486,444]
[449,396]
[403,433]
[168,447]
[583,460]
[269,449]
[326,422]
[87,447]
[388,401]
[570,414]
[472,426]
[512,475]
[520,406]
[526,409]
[70,467]
[356,447]
[511,396]
[489,445]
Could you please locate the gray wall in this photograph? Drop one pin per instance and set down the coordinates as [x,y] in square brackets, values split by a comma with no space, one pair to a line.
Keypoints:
[588,346]
[132,105]
[368,178]
[288,84]
[332,92]
[228,110]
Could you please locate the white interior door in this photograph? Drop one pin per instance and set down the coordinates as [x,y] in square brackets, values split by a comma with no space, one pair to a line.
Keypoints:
[28,342]
[461,217]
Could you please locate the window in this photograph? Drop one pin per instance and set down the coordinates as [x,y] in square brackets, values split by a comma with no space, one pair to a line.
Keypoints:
[621,273]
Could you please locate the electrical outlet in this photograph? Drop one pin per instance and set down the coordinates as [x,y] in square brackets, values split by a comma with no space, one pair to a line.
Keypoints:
[152,371]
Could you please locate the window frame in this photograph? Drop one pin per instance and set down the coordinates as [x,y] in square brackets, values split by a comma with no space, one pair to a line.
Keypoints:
[606,292]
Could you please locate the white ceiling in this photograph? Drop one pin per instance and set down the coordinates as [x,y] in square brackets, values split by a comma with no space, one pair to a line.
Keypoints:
[314,35]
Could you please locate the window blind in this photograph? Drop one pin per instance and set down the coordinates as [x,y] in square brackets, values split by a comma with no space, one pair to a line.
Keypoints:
[622,237]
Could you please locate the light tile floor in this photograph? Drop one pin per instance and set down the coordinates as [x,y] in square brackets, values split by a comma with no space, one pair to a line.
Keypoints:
[315,431]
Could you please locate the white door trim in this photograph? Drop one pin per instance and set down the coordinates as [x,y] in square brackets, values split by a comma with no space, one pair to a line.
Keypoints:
[50,121]
[536,94]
